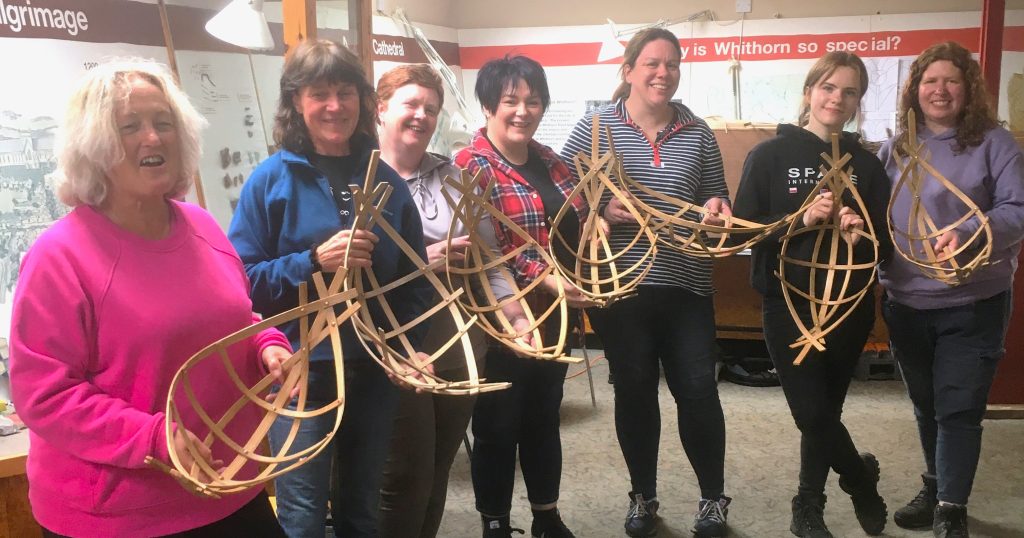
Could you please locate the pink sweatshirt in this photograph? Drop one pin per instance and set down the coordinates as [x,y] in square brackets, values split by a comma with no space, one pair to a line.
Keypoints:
[102,321]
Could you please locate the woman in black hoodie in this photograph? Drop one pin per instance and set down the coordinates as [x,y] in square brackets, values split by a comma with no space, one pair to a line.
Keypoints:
[778,176]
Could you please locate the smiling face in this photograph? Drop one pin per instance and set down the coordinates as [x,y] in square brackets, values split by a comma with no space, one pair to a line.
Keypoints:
[516,118]
[149,136]
[654,78]
[331,114]
[833,100]
[941,94]
[409,117]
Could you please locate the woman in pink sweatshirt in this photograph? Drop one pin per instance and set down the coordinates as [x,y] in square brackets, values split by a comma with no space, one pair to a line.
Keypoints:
[113,299]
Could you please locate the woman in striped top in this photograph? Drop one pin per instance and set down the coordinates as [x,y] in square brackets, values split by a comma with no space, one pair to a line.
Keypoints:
[664,146]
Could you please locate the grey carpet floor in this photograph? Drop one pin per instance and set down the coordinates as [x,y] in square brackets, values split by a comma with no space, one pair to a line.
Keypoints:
[762,460]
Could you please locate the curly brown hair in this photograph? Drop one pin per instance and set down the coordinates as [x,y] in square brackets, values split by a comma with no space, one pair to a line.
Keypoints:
[978,115]
[315,61]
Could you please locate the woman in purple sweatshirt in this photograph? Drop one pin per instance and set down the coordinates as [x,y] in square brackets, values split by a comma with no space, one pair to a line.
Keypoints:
[949,339]
[111,301]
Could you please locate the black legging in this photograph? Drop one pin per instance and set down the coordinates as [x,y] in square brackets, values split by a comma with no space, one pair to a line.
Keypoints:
[676,328]
[816,389]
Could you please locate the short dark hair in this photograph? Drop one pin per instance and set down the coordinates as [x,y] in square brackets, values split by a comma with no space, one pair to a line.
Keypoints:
[315,61]
[497,76]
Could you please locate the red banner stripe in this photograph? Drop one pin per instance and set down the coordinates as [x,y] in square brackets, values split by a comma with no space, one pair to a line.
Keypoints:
[752,48]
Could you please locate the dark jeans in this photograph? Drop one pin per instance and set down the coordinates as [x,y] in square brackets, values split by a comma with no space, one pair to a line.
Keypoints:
[359,450]
[675,328]
[524,417]
[816,389]
[255,519]
[948,357]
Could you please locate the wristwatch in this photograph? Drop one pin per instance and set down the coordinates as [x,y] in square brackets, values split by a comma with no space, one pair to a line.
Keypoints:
[314,260]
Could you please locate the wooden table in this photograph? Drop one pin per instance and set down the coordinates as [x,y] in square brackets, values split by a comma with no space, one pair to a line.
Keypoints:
[16,519]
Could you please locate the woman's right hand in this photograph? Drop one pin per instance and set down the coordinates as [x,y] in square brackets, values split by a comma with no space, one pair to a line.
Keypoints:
[183,437]
[616,213]
[573,295]
[455,251]
[819,210]
[358,244]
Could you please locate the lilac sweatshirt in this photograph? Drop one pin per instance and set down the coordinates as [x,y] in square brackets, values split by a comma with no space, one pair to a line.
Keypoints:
[102,321]
[992,175]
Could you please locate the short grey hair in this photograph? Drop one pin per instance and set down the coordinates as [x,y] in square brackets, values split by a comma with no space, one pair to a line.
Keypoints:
[88,143]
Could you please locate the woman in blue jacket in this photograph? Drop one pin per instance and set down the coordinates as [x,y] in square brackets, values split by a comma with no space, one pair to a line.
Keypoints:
[293,219]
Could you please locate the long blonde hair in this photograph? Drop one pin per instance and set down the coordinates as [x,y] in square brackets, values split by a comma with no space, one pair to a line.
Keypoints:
[822,69]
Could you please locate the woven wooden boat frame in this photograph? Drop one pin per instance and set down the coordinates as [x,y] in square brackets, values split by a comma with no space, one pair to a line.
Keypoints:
[921,230]
[682,230]
[401,362]
[483,305]
[596,271]
[200,477]
[826,303]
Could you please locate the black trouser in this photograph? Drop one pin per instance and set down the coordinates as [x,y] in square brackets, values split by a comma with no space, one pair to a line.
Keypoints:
[676,328]
[816,388]
[255,518]
[524,417]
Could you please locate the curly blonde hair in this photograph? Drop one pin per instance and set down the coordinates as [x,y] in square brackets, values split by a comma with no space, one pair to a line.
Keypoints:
[88,142]
[978,115]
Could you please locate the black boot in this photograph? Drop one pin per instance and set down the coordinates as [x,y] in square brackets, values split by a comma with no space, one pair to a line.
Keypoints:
[498,527]
[867,503]
[950,521]
[808,517]
[919,513]
[548,524]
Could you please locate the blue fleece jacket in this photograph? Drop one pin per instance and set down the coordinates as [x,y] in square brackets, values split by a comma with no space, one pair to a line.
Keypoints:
[286,209]
[991,174]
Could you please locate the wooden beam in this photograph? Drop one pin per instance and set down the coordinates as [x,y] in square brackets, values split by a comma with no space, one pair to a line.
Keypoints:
[299,22]
[172,62]
[364,29]
[992,16]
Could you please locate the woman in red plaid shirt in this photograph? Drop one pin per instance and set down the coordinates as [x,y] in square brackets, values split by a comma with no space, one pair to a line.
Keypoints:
[531,185]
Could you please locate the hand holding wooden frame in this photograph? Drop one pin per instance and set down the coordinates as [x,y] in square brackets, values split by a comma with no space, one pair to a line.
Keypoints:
[915,242]
[596,272]
[834,302]
[471,207]
[403,363]
[238,475]
[681,228]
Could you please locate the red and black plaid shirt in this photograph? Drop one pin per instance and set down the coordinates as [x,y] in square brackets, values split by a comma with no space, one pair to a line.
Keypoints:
[516,198]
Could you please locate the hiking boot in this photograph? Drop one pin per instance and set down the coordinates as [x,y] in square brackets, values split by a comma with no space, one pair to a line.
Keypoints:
[919,512]
[640,519]
[867,503]
[710,519]
[498,527]
[808,517]
[950,521]
[548,524]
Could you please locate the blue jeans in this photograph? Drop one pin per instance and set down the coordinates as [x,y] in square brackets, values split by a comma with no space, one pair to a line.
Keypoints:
[948,357]
[357,453]
[675,329]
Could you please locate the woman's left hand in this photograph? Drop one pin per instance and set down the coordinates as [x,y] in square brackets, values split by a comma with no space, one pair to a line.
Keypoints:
[454,252]
[274,358]
[717,209]
[946,245]
[849,220]
[420,358]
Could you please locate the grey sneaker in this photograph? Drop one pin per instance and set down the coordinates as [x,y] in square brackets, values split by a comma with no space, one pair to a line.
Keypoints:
[710,519]
[642,515]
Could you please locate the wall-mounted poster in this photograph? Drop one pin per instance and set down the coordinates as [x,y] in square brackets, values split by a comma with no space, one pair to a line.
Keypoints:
[31,106]
[222,88]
